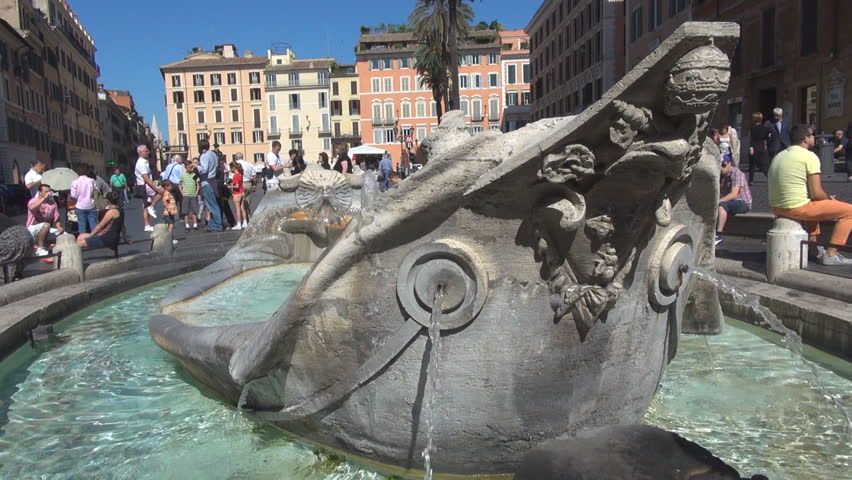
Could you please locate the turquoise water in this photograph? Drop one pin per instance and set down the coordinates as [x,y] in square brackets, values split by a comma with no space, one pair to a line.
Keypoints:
[251,297]
[105,402]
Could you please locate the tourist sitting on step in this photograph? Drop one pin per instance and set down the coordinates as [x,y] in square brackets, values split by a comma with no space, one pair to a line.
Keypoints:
[43,218]
[107,233]
[795,192]
[734,194]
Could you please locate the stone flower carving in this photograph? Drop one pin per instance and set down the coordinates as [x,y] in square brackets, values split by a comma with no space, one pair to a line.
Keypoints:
[574,165]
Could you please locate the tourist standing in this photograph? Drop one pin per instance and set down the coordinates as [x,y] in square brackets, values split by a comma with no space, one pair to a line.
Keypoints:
[223,180]
[146,189]
[43,218]
[189,187]
[780,138]
[274,165]
[170,208]
[723,140]
[249,183]
[758,146]
[32,179]
[118,183]
[343,163]
[734,195]
[174,173]
[795,191]
[323,161]
[297,163]
[385,168]
[841,151]
[237,192]
[83,193]
[209,166]
[735,145]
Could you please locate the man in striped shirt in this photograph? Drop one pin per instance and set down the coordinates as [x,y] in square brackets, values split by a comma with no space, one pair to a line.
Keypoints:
[734,194]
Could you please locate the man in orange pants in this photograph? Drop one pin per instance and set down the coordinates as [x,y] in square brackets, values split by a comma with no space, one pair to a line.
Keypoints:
[795,191]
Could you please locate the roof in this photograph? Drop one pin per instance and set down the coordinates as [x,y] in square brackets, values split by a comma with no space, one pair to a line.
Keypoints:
[306,64]
[409,36]
[208,60]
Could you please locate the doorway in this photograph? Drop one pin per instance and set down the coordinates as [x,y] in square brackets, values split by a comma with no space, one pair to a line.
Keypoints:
[767,99]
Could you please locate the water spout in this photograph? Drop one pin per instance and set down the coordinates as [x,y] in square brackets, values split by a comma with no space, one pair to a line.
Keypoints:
[432,375]
[790,340]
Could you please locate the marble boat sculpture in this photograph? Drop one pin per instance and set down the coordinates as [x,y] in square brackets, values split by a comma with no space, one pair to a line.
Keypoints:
[566,250]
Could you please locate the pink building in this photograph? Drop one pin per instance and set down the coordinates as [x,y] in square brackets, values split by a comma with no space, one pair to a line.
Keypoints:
[515,63]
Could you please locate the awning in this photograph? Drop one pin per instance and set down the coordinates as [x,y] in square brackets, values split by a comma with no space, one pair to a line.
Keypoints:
[365,150]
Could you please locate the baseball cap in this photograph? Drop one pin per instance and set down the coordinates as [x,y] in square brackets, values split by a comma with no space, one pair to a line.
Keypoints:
[726,158]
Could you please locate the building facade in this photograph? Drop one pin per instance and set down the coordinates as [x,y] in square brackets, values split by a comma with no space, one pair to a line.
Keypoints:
[648,23]
[217,95]
[515,67]
[576,53]
[64,58]
[123,129]
[399,111]
[345,106]
[297,98]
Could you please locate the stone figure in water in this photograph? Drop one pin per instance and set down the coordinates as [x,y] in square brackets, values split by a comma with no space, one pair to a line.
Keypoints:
[565,251]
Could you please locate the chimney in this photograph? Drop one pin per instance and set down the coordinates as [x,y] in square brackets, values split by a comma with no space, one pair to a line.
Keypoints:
[248,54]
[229,50]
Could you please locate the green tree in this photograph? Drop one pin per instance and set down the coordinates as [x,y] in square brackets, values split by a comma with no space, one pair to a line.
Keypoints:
[432,67]
[439,23]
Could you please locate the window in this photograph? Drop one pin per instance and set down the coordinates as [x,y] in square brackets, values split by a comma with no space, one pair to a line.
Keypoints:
[388,84]
[389,116]
[384,135]
[272,105]
[177,99]
[322,78]
[405,62]
[493,108]
[404,84]
[386,63]
[254,79]
[322,98]
[235,115]
[336,107]
[355,130]
[655,14]
[810,26]
[463,81]
[636,24]
[215,79]
[421,133]
[353,87]
[259,157]
[201,136]
[676,6]
[420,108]
[271,80]
[256,114]
[336,129]
[216,96]
[476,108]
[219,137]
[375,85]
[511,75]
[375,64]
[293,79]
[232,79]
[217,116]
[257,136]
[325,123]
[525,98]
[492,80]
[273,125]
[180,121]
[525,72]
[294,101]
[511,99]
[492,59]
[233,94]
[254,94]
[406,109]
[767,56]
[433,108]
[236,137]
[200,116]
[377,112]
[354,107]
[294,124]
[476,80]
[198,80]
[198,96]
[175,80]
[182,140]
[463,106]
[335,88]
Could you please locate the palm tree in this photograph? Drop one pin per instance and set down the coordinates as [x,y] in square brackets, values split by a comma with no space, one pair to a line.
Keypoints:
[439,23]
[433,74]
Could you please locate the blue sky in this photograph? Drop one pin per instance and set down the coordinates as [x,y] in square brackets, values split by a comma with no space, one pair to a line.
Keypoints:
[134,38]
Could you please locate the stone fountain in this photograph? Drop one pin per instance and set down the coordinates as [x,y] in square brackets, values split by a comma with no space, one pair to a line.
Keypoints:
[564,249]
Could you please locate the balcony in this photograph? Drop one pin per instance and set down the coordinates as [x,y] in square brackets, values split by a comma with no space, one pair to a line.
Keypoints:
[274,134]
[295,132]
[493,117]
[476,117]
[324,131]
[347,135]
[387,120]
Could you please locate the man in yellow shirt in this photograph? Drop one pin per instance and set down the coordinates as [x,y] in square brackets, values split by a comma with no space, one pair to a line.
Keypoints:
[795,191]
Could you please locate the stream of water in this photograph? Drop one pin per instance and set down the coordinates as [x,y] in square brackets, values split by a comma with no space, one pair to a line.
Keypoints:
[432,376]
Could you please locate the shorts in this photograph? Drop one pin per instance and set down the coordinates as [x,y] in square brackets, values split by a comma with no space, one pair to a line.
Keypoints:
[35,228]
[189,204]
[95,241]
[247,186]
[169,219]
[237,198]
[735,207]
[144,192]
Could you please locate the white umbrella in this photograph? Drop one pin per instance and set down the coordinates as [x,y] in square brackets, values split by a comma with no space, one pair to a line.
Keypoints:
[59,178]
[366,150]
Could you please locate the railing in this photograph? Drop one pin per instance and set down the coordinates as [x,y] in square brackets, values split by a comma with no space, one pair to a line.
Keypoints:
[295,132]
[324,131]
[476,117]
[276,133]
[383,120]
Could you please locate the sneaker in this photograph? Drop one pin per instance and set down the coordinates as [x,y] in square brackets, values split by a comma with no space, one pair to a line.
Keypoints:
[717,240]
[40,252]
[836,259]
[237,227]
[195,226]
[149,228]
[152,212]
[245,224]
[174,242]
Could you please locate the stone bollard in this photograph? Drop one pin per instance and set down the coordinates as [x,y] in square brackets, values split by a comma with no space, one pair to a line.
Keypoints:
[72,254]
[784,249]
[162,240]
